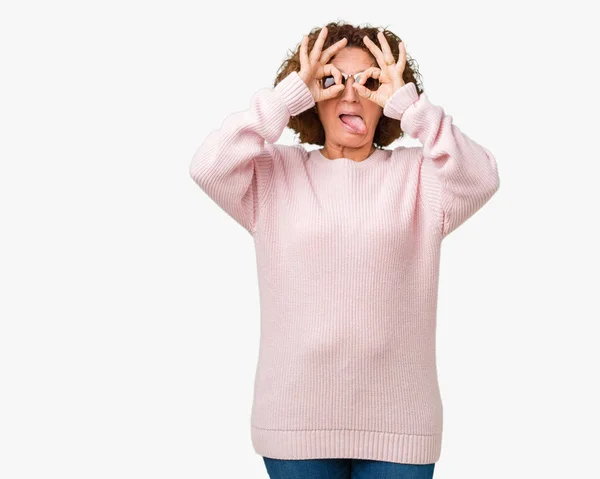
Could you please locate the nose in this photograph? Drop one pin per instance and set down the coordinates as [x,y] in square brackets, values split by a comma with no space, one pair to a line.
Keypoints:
[349,93]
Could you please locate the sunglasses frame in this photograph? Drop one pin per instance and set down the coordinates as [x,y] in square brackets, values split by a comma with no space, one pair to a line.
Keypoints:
[345,77]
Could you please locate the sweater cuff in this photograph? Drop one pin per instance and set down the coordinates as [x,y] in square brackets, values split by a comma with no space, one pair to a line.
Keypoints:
[295,94]
[400,100]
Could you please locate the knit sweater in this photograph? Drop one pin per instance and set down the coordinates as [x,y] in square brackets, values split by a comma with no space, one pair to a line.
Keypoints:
[348,259]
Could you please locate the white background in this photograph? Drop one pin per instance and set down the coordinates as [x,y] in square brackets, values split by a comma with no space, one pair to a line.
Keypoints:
[129,303]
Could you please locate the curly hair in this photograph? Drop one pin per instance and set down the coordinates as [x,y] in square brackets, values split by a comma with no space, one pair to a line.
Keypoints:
[307,124]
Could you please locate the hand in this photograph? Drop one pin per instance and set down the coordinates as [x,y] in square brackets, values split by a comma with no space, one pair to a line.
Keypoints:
[389,75]
[314,67]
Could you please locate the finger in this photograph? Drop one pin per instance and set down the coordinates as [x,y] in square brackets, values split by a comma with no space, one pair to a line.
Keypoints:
[373,72]
[387,52]
[401,57]
[332,50]
[304,63]
[332,91]
[316,51]
[375,51]
[362,90]
[329,69]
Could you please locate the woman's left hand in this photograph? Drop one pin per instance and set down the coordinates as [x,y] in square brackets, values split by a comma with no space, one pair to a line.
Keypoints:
[389,75]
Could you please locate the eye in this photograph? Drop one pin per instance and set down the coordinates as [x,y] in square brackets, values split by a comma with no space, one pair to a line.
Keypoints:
[328,81]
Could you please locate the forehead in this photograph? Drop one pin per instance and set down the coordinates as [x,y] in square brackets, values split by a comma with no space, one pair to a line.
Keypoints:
[352,60]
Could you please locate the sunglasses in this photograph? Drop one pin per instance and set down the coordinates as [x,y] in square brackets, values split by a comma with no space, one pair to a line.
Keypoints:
[371,83]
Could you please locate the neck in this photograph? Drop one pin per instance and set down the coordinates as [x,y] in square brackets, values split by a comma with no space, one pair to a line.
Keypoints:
[356,154]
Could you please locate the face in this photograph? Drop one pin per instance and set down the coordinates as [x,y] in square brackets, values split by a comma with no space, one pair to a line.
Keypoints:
[338,137]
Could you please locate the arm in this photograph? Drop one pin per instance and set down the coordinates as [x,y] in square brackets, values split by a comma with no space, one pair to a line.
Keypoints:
[233,165]
[458,175]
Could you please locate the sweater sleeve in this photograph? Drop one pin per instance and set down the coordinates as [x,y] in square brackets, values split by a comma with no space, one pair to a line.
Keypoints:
[458,176]
[233,165]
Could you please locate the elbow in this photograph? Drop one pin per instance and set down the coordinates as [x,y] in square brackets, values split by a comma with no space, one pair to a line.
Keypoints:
[199,168]
[194,164]
[489,188]
[194,170]
[492,175]
[494,185]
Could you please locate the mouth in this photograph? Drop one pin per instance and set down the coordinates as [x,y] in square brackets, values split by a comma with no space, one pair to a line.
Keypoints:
[353,123]
[353,114]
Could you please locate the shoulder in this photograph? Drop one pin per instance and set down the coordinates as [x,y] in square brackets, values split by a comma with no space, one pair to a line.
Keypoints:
[274,154]
[288,155]
[407,154]
[289,150]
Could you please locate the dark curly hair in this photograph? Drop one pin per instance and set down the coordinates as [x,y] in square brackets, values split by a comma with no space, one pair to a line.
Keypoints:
[307,124]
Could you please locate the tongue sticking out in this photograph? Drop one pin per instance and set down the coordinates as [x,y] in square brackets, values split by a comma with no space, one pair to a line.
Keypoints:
[355,123]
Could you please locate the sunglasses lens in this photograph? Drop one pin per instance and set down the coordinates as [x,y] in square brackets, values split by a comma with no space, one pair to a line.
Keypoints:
[372,83]
[328,81]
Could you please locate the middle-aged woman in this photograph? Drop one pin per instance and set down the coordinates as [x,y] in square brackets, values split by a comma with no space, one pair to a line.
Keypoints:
[347,240]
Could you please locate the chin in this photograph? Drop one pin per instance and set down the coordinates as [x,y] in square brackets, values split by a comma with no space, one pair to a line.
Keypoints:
[351,138]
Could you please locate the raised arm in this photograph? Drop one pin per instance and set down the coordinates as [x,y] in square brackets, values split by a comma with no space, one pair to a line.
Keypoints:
[458,175]
[234,166]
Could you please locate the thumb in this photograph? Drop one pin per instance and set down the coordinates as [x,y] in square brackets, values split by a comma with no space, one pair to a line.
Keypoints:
[362,90]
[332,92]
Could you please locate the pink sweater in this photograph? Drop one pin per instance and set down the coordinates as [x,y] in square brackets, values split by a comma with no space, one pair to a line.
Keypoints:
[348,259]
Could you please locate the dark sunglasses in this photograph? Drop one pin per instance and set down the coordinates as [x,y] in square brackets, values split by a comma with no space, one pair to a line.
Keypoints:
[371,83]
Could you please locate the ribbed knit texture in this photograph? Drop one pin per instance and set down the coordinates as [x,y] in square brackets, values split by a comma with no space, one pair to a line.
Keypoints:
[348,260]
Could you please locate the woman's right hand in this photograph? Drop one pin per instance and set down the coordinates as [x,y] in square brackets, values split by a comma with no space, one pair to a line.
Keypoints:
[314,67]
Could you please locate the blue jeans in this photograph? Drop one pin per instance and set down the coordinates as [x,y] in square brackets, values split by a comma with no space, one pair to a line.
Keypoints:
[345,469]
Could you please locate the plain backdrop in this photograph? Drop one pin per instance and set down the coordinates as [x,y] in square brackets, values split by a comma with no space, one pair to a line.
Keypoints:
[129,312]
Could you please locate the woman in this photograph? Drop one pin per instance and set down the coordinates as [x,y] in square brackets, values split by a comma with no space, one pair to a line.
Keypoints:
[347,242]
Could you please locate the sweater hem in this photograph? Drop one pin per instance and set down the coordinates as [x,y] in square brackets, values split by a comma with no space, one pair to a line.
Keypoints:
[347,443]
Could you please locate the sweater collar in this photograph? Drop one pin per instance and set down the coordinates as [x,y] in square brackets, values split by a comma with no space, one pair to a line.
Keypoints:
[373,159]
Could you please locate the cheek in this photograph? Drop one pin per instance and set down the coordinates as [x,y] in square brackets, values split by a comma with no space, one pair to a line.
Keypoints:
[327,115]
[374,115]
